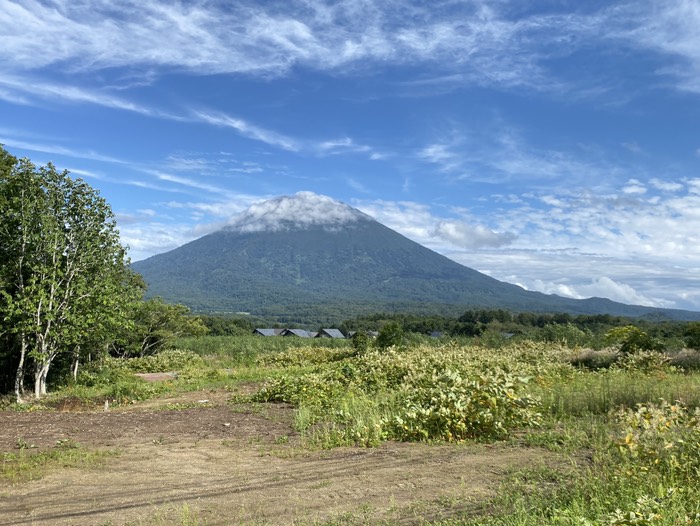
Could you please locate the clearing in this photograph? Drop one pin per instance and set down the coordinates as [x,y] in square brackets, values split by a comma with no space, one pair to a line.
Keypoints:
[198,459]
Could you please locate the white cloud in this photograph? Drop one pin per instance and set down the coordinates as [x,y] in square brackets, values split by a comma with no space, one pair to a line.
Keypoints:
[573,242]
[28,89]
[211,164]
[600,287]
[632,147]
[418,222]
[303,210]
[477,42]
[186,181]
[413,220]
[633,186]
[694,186]
[666,186]
[499,153]
[462,43]
[442,155]
[58,150]
[666,28]
[357,185]
[145,237]
[248,130]
[344,145]
[471,236]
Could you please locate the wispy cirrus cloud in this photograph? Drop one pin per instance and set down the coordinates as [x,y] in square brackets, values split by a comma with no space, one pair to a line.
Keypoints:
[499,153]
[58,150]
[31,91]
[668,29]
[346,144]
[446,155]
[210,164]
[468,43]
[249,38]
[248,130]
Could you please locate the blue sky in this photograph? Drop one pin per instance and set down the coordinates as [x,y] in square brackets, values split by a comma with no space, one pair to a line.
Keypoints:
[552,144]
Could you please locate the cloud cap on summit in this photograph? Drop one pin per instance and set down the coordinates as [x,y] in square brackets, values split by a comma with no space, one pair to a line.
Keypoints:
[299,211]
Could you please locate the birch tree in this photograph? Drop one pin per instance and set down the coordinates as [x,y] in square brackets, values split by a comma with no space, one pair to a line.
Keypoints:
[64,275]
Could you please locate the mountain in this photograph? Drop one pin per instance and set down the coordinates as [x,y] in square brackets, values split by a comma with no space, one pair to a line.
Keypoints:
[308,257]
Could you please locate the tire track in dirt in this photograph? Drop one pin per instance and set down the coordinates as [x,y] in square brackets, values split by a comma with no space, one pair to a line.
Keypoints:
[247,484]
[239,474]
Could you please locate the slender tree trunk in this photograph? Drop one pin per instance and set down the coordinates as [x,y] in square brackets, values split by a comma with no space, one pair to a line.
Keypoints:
[76,363]
[19,376]
[37,380]
[40,374]
[41,371]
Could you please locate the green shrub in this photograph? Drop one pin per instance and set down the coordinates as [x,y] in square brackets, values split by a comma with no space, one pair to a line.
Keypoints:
[391,335]
[361,341]
[663,439]
[687,360]
[320,388]
[302,356]
[168,360]
[446,405]
[632,339]
[692,335]
[595,360]
[645,361]
[564,334]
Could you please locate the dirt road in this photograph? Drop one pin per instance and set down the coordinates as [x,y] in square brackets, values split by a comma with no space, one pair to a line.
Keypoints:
[217,463]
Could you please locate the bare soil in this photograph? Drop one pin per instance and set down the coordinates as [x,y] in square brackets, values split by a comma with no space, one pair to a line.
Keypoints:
[197,459]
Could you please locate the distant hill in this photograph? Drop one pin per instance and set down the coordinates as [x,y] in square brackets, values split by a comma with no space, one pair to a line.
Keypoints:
[308,257]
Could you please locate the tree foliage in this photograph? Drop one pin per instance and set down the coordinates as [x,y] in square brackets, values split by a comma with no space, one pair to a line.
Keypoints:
[391,335]
[360,341]
[154,325]
[692,335]
[632,340]
[64,283]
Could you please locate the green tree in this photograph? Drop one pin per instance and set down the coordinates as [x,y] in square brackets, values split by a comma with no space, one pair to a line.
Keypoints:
[632,339]
[692,335]
[566,334]
[155,324]
[391,335]
[62,267]
[360,341]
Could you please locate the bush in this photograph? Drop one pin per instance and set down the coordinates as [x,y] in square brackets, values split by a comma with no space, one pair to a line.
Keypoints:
[632,339]
[692,335]
[662,438]
[567,334]
[595,360]
[687,359]
[445,405]
[169,360]
[304,356]
[645,362]
[320,388]
[360,341]
[391,335]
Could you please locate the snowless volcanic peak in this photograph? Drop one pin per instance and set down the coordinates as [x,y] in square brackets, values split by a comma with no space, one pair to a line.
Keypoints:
[300,211]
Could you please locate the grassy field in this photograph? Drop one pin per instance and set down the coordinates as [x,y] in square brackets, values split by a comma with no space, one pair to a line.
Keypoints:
[629,430]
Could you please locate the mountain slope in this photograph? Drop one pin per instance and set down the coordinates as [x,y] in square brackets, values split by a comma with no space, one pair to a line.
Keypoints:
[304,257]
